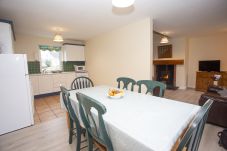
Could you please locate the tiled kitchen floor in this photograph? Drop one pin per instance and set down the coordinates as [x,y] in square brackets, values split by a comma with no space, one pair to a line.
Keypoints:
[47,108]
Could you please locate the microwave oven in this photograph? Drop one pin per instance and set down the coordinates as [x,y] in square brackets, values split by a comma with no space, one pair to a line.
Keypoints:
[79,68]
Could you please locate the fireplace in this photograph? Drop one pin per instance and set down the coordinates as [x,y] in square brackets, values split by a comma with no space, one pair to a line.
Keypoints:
[166,74]
[165,71]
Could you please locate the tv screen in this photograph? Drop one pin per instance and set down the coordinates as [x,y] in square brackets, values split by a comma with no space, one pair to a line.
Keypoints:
[209,65]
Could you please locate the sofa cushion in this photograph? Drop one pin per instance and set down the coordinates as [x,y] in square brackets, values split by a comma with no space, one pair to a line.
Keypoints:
[218,111]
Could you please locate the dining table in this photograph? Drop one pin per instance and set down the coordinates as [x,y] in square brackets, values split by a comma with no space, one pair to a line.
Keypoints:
[140,122]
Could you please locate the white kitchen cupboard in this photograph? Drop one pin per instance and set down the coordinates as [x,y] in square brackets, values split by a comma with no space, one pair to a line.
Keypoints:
[6,38]
[35,84]
[58,79]
[49,83]
[45,84]
[73,52]
[68,80]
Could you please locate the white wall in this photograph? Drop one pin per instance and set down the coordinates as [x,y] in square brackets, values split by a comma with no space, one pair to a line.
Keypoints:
[179,51]
[6,38]
[213,47]
[127,51]
[29,45]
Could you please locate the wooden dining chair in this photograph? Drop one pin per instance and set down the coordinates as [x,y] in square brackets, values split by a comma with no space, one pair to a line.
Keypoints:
[95,126]
[154,87]
[81,82]
[192,137]
[126,82]
[73,119]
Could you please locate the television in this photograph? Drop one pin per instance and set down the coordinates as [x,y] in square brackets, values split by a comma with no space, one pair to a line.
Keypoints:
[209,65]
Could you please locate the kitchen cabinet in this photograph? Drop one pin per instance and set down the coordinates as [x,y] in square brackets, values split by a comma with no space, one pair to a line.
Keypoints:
[69,79]
[204,80]
[35,84]
[58,80]
[49,83]
[45,84]
[73,52]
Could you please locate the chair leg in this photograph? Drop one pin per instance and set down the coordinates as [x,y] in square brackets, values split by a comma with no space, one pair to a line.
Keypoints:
[90,142]
[78,131]
[70,130]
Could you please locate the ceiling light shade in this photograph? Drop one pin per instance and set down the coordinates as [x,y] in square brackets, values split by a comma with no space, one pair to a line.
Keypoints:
[164,40]
[122,3]
[58,38]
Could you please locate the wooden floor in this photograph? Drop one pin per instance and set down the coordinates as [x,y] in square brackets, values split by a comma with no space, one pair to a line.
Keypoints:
[51,134]
[189,95]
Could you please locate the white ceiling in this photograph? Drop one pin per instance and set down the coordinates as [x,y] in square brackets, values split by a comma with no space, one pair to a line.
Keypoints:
[83,19]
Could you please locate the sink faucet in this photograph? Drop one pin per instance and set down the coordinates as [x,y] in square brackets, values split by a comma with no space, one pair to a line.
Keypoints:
[44,70]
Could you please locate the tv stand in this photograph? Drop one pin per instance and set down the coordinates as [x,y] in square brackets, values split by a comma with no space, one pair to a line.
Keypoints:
[204,79]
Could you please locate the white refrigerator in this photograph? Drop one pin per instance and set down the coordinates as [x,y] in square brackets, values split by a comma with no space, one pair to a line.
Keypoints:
[16,109]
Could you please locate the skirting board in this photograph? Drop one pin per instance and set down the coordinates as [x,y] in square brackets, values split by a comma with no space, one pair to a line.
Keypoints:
[182,87]
[45,95]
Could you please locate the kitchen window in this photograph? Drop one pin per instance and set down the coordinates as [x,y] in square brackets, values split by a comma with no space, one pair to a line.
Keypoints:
[50,57]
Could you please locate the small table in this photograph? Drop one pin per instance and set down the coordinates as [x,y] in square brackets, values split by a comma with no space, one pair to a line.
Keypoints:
[139,121]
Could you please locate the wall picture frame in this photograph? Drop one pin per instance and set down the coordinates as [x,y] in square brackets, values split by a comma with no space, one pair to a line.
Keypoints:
[165,51]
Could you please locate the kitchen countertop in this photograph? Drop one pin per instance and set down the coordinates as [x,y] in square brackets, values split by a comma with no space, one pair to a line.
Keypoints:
[40,74]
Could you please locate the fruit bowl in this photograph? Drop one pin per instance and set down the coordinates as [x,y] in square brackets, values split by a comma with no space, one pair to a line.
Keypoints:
[115,93]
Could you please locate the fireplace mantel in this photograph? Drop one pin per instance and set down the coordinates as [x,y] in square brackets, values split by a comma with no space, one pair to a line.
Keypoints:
[168,61]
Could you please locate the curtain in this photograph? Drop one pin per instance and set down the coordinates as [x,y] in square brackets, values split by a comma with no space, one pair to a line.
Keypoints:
[49,48]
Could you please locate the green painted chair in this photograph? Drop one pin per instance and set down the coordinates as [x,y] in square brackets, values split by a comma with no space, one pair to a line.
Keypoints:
[73,119]
[126,82]
[81,82]
[94,134]
[192,137]
[154,87]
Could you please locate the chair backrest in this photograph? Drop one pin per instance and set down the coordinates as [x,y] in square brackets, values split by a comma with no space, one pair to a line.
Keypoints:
[65,95]
[68,106]
[81,82]
[152,86]
[192,136]
[94,124]
[126,81]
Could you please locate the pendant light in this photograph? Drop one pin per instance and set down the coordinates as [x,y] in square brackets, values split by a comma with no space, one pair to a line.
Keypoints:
[58,38]
[122,3]
[164,40]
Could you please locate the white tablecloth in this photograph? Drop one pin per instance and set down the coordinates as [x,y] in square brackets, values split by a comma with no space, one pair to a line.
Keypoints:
[140,122]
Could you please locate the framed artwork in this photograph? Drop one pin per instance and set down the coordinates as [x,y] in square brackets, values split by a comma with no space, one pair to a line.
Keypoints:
[165,51]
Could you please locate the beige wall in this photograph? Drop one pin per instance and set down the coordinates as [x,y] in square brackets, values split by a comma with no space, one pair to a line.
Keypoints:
[29,45]
[179,51]
[213,47]
[126,51]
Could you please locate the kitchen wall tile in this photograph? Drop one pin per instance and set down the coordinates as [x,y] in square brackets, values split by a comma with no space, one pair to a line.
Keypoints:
[69,65]
[33,67]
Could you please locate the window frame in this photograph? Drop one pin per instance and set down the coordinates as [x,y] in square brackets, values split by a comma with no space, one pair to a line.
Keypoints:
[50,48]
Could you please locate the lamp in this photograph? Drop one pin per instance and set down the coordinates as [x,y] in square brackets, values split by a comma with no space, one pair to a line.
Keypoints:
[164,40]
[58,38]
[122,3]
